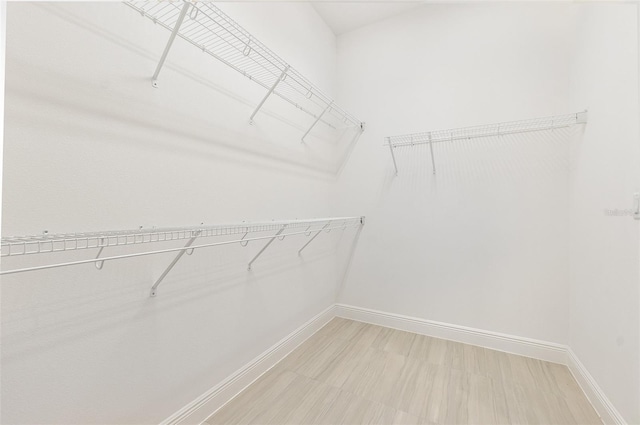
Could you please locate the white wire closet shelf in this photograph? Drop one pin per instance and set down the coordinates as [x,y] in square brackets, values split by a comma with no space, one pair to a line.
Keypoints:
[14,246]
[209,29]
[478,131]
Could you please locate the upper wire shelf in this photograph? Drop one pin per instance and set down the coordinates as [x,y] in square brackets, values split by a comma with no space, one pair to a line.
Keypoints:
[14,246]
[209,29]
[486,130]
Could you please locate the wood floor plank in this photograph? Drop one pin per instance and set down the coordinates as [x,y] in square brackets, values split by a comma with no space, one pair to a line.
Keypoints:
[456,399]
[404,418]
[535,406]
[430,402]
[336,371]
[420,347]
[345,329]
[394,341]
[334,327]
[474,359]
[308,349]
[366,335]
[411,392]
[480,403]
[440,352]
[250,403]
[314,363]
[565,383]
[499,397]
[582,411]
[349,409]
[280,408]
[326,398]
[310,401]
[374,377]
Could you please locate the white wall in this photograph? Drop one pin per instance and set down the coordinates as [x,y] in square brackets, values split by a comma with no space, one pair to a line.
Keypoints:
[90,145]
[484,243]
[3,33]
[605,283]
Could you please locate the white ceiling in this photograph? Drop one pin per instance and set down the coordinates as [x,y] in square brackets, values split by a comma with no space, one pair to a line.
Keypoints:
[343,17]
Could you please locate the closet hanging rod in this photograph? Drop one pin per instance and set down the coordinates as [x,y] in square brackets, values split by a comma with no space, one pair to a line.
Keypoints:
[308,225]
[205,26]
[478,131]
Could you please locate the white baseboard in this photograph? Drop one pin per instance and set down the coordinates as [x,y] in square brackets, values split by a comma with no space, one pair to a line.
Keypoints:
[608,413]
[542,350]
[204,406]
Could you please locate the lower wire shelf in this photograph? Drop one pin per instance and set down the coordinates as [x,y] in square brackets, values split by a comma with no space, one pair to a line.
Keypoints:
[43,244]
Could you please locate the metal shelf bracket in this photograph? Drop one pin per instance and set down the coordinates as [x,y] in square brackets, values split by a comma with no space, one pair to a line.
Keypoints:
[312,238]
[317,120]
[393,155]
[99,264]
[266,96]
[154,288]
[433,160]
[172,37]
[266,246]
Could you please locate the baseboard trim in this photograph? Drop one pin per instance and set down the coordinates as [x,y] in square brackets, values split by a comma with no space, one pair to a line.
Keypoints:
[528,347]
[608,413]
[201,408]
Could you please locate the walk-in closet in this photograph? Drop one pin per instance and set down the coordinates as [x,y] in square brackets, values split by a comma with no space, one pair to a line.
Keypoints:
[320,212]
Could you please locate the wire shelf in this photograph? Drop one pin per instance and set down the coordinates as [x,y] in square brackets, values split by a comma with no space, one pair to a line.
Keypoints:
[488,130]
[42,244]
[47,243]
[212,31]
[478,131]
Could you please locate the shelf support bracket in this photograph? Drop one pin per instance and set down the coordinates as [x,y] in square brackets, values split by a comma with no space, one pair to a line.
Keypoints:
[313,237]
[266,96]
[317,120]
[176,28]
[433,160]
[100,263]
[154,288]
[265,247]
[393,155]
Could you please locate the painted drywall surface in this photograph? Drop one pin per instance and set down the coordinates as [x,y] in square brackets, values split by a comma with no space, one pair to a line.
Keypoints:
[605,285]
[90,145]
[3,33]
[484,242]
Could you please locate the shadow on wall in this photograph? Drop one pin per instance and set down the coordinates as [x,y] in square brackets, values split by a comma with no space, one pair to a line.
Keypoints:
[117,295]
[347,258]
[275,135]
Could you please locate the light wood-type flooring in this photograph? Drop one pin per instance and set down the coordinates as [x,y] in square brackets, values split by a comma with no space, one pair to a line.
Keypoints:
[356,373]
